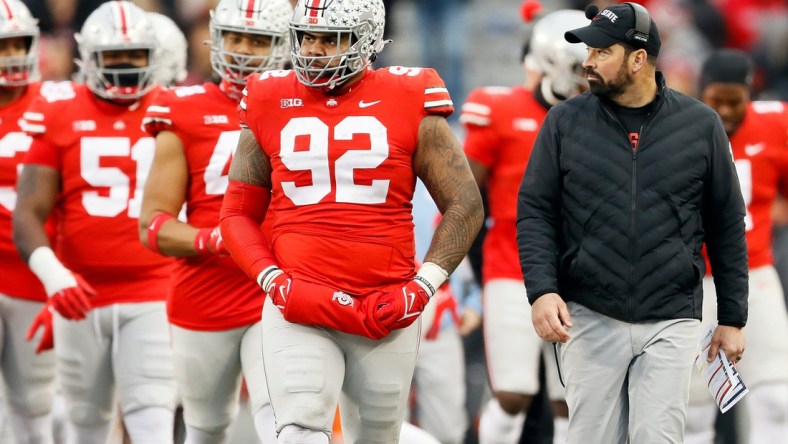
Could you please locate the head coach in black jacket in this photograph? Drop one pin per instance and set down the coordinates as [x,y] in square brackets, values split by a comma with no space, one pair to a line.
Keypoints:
[624,185]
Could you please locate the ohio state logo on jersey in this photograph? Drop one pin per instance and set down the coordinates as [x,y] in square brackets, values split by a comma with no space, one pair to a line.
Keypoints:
[343,298]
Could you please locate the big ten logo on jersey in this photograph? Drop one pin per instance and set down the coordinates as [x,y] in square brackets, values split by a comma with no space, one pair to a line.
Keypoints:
[217,172]
[10,145]
[315,158]
[114,193]
[288,103]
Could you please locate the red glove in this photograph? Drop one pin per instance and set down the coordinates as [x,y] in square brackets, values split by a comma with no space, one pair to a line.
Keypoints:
[306,303]
[209,240]
[400,307]
[42,319]
[72,302]
[277,286]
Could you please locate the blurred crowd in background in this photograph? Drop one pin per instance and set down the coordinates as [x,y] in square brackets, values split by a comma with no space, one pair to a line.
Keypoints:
[448,35]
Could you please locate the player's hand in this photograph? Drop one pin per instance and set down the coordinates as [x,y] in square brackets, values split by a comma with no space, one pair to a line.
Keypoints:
[42,320]
[277,286]
[72,302]
[209,241]
[730,339]
[549,316]
[307,303]
[400,307]
[470,321]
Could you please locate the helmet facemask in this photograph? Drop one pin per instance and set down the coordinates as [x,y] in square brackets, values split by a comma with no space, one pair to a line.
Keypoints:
[251,20]
[559,61]
[566,75]
[16,22]
[356,23]
[114,27]
[332,70]
[119,81]
[235,67]
[20,70]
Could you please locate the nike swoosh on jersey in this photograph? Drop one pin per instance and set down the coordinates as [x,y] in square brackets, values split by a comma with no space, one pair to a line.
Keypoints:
[753,150]
[363,104]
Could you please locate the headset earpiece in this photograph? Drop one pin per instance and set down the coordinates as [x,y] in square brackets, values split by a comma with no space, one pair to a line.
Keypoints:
[642,24]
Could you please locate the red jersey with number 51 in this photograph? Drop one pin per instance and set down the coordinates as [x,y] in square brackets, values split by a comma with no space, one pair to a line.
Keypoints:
[208,292]
[103,158]
[16,279]
[760,153]
[342,172]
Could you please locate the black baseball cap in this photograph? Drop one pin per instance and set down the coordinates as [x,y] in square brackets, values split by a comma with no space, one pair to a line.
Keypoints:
[615,24]
[727,66]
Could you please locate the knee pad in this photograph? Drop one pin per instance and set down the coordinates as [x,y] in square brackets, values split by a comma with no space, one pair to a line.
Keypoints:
[295,434]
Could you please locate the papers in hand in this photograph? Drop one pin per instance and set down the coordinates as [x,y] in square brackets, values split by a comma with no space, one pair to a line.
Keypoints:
[720,375]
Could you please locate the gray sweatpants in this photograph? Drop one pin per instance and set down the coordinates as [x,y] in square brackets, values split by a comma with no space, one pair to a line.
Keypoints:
[627,380]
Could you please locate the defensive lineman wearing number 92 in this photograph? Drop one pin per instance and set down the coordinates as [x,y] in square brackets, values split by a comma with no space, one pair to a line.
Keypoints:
[337,162]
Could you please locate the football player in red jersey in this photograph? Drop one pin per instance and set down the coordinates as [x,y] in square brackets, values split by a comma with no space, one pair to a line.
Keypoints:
[87,163]
[335,148]
[213,307]
[28,369]
[502,124]
[758,133]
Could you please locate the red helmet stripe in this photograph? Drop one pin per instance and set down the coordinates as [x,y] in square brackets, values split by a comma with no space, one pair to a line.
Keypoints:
[8,11]
[121,16]
[314,8]
[250,8]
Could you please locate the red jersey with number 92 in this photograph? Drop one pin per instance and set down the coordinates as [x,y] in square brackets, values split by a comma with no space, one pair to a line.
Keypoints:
[209,292]
[103,158]
[342,172]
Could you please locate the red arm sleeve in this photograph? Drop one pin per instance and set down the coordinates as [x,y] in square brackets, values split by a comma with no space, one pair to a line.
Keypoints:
[243,210]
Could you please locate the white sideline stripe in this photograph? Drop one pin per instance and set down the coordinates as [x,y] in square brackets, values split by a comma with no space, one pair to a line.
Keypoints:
[476,120]
[477,108]
[436,103]
[29,115]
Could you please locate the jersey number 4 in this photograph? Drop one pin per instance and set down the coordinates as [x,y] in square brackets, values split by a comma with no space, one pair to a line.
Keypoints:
[316,160]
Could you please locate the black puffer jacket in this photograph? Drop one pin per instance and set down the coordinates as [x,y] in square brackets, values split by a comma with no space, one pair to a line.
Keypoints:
[621,231]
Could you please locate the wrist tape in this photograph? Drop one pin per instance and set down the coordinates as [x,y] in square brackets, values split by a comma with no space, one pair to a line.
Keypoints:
[431,276]
[50,271]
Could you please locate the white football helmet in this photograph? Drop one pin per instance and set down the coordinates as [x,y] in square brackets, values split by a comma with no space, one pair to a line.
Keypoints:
[173,50]
[16,21]
[117,26]
[559,61]
[262,17]
[361,20]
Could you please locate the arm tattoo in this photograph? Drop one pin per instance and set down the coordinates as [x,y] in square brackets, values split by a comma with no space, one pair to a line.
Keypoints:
[250,164]
[442,166]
